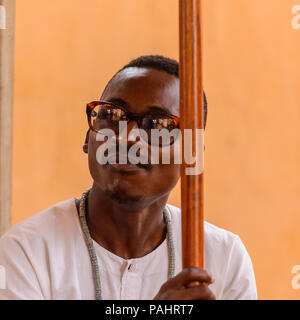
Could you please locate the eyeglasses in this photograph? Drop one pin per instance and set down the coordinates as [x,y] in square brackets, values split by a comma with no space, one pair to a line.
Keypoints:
[106,115]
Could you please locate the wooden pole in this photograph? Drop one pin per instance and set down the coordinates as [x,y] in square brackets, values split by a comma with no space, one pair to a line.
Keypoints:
[191,117]
[7,9]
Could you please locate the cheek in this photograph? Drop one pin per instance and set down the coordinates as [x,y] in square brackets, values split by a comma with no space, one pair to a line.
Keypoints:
[165,178]
[96,170]
[165,175]
[170,155]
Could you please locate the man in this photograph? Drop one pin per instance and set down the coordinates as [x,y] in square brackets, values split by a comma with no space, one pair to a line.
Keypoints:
[122,240]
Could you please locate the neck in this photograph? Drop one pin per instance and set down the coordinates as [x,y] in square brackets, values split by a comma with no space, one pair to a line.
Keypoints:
[128,233]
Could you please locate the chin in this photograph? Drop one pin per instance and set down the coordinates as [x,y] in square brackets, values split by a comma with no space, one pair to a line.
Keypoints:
[127,202]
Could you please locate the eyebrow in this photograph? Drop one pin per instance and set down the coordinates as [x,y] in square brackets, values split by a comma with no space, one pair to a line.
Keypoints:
[119,102]
[122,103]
[159,109]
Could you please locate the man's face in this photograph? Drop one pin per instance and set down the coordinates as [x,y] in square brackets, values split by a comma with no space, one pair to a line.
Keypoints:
[137,90]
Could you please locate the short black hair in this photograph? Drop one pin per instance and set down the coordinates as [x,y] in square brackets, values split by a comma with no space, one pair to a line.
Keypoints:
[157,62]
[160,63]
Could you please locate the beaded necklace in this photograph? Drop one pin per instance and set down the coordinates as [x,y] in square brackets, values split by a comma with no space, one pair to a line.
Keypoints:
[90,246]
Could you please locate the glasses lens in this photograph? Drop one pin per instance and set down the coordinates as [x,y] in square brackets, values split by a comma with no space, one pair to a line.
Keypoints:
[106,117]
[159,130]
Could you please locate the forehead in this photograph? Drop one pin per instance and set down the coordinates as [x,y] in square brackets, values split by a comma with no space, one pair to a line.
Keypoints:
[143,87]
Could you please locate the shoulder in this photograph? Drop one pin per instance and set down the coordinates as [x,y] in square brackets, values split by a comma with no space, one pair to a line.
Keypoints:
[40,226]
[226,258]
[221,247]
[213,234]
[219,238]
[27,248]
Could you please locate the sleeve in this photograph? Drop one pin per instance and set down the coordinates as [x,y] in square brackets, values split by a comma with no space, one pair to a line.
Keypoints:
[239,277]
[18,279]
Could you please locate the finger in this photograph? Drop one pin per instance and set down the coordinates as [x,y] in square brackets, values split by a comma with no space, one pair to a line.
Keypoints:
[187,276]
[195,293]
[197,283]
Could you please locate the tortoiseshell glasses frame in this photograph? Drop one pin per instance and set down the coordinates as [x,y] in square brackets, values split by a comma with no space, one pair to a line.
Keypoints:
[102,114]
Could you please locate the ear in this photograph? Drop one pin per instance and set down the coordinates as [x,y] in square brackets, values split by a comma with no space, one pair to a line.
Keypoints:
[86,142]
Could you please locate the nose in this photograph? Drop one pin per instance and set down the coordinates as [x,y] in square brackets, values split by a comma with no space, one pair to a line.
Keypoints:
[133,144]
[133,131]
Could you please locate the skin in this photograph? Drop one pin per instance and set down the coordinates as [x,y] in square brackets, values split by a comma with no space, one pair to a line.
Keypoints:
[126,202]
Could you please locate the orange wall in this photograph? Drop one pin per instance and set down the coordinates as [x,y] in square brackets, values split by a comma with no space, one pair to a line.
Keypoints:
[67,50]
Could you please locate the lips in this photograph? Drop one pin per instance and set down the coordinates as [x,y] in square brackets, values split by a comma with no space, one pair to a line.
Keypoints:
[128,167]
[125,168]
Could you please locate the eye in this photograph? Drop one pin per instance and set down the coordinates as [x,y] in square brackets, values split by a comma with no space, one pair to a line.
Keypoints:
[104,114]
[112,114]
[164,123]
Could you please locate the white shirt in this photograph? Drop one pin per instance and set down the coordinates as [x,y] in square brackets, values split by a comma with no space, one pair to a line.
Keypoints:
[45,257]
